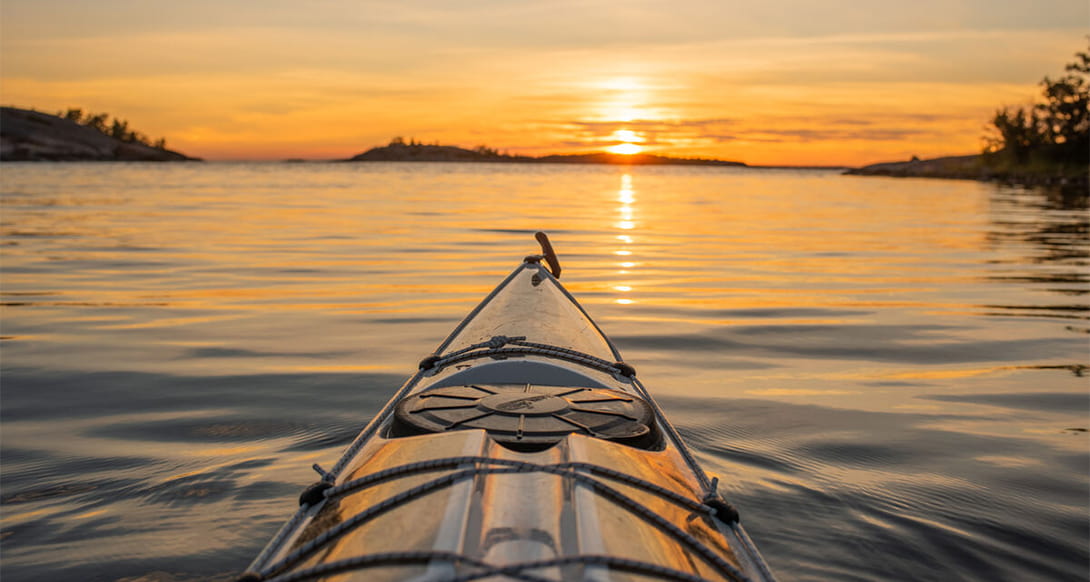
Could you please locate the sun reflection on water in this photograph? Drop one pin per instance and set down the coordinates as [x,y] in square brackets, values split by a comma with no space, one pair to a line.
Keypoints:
[878,322]
[626,197]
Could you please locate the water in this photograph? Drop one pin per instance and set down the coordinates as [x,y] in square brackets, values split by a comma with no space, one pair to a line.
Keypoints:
[888,375]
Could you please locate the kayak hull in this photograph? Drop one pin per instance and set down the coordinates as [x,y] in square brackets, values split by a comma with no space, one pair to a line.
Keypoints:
[524,448]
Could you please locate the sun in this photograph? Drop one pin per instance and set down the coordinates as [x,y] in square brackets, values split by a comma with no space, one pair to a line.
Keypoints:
[626,149]
[628,145]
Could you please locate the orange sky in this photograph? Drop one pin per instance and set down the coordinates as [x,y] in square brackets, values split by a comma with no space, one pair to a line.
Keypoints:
[786,82]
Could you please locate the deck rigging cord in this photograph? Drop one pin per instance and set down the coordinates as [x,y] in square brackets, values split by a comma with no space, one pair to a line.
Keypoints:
[720,515]
[568,470]
[495,348]
[711,504]
[515,571]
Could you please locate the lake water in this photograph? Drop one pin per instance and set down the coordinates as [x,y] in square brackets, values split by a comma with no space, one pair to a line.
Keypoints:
[887,375]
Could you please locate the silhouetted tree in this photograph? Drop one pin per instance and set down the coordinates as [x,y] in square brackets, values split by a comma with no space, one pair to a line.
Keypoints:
[119,129]
[1019,134]
[1056,131]
[115,128]
[1066,112]
[97,121]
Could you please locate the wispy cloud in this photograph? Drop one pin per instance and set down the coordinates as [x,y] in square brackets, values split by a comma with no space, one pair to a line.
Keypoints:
[798,130]
[776,82]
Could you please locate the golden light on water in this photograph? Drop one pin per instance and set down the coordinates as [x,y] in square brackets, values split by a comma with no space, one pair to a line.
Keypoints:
[626,197]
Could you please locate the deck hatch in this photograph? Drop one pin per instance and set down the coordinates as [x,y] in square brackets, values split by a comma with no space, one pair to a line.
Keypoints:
[527,416]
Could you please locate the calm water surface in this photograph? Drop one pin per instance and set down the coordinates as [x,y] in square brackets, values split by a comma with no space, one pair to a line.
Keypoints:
[887,375]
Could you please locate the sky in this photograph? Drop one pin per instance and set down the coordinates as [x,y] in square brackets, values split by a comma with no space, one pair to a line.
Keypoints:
[777,82]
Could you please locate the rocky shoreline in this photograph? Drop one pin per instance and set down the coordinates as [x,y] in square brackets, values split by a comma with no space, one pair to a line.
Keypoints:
[32,136]
[971,167]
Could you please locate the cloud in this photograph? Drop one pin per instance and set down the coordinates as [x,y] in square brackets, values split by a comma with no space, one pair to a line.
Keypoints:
[796,129]
[799,135]
[652,132]
[709,78]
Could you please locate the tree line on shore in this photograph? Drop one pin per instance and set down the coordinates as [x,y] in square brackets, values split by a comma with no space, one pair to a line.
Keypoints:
[113,127]
[483,150]
[1050,136]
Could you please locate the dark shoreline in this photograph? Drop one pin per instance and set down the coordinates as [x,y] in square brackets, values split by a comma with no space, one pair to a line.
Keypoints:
[973,167]
[33,136]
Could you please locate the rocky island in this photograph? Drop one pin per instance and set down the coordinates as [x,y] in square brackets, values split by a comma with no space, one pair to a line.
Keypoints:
[33,136]
[399,151]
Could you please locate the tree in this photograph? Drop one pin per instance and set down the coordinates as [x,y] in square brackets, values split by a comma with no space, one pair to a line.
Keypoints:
[97,121]
[1056,131]
[119,130]
[1018,132]
[1066,111]
[116,128]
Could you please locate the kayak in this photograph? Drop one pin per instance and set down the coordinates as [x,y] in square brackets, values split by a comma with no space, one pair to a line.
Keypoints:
[524,448]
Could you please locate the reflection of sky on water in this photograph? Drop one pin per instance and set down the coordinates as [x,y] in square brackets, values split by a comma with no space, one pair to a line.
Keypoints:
[875,353]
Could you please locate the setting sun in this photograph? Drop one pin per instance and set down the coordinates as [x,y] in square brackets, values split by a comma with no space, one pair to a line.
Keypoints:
[796,90]
[625,149]
[628,145]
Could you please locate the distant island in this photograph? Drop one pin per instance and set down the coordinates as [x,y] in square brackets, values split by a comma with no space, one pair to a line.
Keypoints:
[32,136]
[400,151]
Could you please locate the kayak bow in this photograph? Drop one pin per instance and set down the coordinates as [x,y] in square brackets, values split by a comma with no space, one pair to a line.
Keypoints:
[524,448]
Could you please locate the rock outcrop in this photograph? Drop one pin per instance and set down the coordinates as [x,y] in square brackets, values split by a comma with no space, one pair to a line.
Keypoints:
[964,167]
[34,136]
[978,167]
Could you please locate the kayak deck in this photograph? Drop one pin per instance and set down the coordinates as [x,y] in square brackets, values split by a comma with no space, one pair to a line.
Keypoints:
[523,449]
